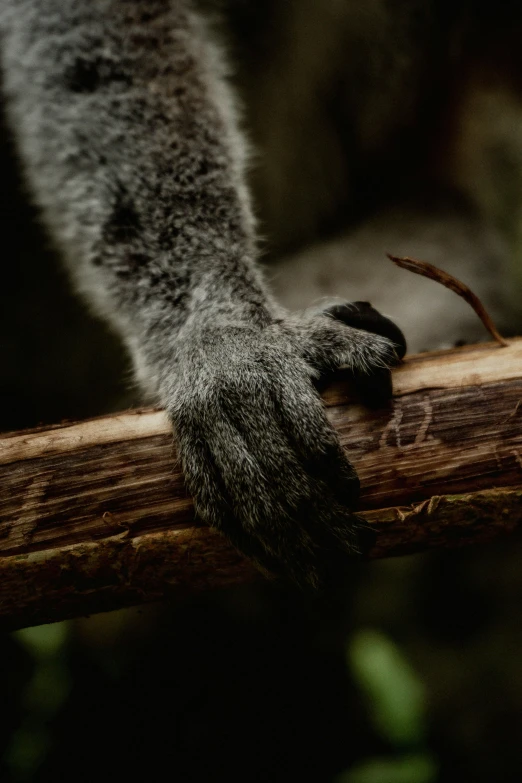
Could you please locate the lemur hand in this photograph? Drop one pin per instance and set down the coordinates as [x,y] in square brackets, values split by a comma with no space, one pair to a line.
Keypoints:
[259,455]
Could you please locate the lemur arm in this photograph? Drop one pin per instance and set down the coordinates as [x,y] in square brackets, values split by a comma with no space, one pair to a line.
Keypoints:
[131,144]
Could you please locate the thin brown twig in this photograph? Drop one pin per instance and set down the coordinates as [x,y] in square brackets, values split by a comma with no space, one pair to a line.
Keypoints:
[460,288]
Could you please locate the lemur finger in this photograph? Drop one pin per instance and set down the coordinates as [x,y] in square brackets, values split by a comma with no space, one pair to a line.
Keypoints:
[316,445]
[326,344]
[361,315]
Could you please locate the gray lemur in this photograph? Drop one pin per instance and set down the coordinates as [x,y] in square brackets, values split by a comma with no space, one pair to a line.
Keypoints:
[126,123]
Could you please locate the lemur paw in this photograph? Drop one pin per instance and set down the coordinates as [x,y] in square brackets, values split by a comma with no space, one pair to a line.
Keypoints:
[259,455]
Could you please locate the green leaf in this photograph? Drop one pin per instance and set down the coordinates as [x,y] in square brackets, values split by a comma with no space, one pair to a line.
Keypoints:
[395,694]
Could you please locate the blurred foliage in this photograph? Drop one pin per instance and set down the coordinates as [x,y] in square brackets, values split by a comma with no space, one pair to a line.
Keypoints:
[396,700]
[406,769]
[395,695]
[41,699]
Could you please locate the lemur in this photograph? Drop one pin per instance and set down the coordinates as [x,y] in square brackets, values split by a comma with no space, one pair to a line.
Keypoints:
[376,126]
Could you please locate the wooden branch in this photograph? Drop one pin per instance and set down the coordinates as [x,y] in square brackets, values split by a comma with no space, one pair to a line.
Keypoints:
[94,515]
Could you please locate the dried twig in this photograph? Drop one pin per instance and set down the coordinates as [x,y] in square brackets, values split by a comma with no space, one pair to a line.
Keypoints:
[460,288]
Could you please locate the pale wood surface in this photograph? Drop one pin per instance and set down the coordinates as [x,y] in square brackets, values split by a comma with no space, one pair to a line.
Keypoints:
[94,515]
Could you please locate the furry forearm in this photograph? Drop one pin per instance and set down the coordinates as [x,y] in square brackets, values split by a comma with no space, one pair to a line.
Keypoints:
[130,140]
[131,143]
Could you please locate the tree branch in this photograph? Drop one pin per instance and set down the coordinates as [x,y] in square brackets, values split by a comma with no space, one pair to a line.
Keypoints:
[95,516]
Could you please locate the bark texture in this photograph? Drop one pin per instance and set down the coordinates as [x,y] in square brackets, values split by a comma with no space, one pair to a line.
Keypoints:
[95,515]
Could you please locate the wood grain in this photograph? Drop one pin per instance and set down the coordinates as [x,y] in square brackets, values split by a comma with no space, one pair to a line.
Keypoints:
[94,515]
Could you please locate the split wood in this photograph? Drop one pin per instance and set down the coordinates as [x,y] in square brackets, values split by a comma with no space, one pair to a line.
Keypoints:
[94,515]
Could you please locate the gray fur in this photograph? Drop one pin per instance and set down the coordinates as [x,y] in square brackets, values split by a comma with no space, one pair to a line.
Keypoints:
[131,140]
[131,144]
